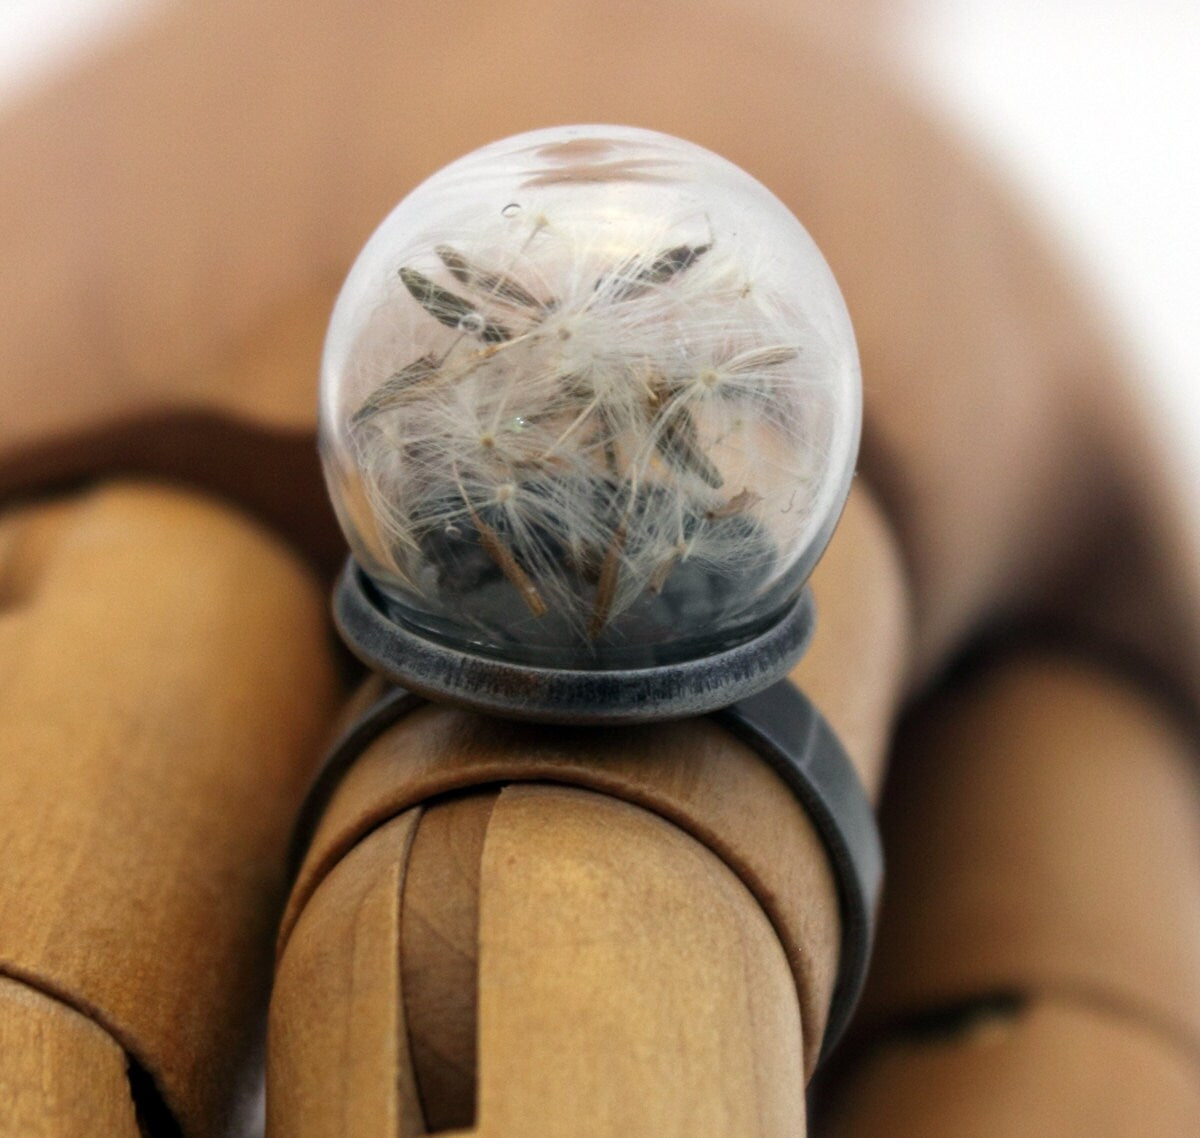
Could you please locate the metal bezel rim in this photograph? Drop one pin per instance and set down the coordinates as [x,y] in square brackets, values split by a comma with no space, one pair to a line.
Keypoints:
[561,695]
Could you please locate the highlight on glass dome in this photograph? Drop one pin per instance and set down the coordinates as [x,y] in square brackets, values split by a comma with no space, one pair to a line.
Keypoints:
[590,400]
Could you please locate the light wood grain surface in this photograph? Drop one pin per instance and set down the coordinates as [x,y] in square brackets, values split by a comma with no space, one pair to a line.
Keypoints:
[62,1076]
[164,690]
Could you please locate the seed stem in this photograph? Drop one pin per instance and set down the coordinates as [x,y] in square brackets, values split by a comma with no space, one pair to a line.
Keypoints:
[606,588]
[509,566]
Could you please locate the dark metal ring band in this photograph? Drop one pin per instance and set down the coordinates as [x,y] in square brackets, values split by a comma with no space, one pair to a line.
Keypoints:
[782,726]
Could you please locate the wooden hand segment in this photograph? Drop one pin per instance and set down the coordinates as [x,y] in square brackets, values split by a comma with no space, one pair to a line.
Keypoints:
[62,1076]
[165,684]
[1038,966]
[628,984]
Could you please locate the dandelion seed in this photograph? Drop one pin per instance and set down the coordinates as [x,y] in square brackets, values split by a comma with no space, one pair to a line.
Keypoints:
[678,443]
[760,358]
[738,504]
[658,578]
[393,392]
[628,284]
[610,456]
[582,559]
[492,285]
[606,587]
[509,566]
[575,424]
[451,310]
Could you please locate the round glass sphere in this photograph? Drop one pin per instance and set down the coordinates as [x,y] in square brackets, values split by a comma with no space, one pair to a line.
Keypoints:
[590,399]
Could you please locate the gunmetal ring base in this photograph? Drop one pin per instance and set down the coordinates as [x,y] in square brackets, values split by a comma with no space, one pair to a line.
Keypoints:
[561,695]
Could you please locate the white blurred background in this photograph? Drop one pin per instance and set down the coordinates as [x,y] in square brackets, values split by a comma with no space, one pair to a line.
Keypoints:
[1093,106]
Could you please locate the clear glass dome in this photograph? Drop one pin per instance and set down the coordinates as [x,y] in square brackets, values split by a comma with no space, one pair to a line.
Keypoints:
[590,399]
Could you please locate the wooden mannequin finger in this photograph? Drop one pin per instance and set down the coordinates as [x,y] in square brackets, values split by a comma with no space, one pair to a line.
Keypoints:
[857,668]
[340,1060]
[241,427]
[63,1076]
[1053,1067]
[601,922]
[602,928]
[701,779]
[1101,893]
[1043,912]
[439,955]
[364,1040]
[166,684]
